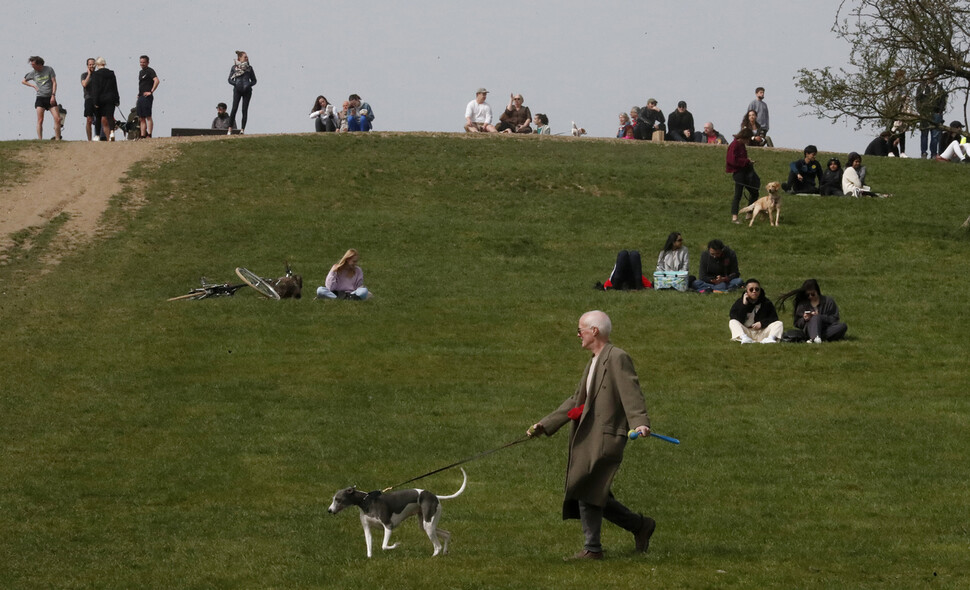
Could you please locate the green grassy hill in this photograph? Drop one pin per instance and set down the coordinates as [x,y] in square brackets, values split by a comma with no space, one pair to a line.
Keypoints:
[197,444]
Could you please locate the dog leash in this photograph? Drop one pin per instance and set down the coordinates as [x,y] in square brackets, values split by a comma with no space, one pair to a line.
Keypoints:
[463,461]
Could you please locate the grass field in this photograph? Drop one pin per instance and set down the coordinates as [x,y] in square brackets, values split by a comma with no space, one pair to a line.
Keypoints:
[197,444]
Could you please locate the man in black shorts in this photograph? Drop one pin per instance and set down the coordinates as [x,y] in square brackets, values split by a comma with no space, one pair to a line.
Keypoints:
[89,118]
[42,79]
[147,83]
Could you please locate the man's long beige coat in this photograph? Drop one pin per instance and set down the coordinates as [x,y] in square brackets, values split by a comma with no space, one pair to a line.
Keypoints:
[614,406]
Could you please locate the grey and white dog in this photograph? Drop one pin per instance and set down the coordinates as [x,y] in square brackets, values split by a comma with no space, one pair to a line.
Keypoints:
[391,509]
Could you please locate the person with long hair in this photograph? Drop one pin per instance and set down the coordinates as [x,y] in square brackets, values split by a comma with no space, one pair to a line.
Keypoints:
[816,314]
[674,255]
[242,78]
[345,280]
[324,115]
[742,170]
[750,121]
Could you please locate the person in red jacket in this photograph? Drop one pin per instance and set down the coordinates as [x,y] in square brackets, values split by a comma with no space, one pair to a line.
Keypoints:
[742,170]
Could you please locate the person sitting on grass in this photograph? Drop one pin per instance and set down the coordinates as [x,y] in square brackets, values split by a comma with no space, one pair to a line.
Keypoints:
[516,118]
[542,124]
[854,179]
[674,256]
[957,149]
[710,135]
[673,259]
[478,115]
[804,174]
[680,124]
[625,130]
[816,314]
[719,269]
[750,121]
[831,179]
[345,280]
[753,317]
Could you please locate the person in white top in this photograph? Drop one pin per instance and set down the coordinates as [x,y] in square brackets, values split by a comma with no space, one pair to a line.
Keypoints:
[854,179]
[478,115]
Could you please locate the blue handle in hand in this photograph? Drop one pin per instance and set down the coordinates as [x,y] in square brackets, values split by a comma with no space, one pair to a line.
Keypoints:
[633,434]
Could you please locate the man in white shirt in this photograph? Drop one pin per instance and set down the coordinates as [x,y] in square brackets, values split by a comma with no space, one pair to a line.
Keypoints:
[478,115]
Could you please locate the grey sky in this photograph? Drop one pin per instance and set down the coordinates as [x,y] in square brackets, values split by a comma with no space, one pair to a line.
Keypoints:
[418,63]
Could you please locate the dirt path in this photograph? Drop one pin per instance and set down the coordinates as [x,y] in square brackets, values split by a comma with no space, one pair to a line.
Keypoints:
[78,178]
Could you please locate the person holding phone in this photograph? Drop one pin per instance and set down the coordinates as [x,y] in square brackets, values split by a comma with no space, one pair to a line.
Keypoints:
[816,314]
[753,317]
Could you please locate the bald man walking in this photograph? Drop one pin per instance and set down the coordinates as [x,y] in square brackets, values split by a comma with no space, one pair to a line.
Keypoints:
[607,403]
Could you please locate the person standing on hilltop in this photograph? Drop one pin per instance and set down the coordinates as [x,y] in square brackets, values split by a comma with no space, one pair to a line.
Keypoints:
[42,79]
[147,84]
[242,78]
[760,107]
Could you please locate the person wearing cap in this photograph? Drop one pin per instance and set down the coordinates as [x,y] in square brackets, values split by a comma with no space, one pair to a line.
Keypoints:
[650,122]
[680,124]
[957,149]
[222,117]
[478,115]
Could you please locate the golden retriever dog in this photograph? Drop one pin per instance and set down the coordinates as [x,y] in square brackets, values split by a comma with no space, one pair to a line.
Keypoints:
[766,204]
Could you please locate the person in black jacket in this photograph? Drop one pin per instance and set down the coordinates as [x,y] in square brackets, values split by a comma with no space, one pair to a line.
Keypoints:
[680,124]
[831,179]
[649,121]
[816,314]
[805,174]
[753,317]
[883,145]
[243,78]
[104,92]
[718,270]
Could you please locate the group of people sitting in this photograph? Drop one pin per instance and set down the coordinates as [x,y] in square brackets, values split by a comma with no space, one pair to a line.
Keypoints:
[354,115]
[648,123]
[517,118]
[892,145]
[806,176]
[753,317]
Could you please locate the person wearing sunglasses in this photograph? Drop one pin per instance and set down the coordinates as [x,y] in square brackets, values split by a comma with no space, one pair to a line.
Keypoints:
[753,317]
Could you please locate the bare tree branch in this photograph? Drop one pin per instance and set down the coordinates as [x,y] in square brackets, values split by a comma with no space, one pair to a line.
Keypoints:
[895,47]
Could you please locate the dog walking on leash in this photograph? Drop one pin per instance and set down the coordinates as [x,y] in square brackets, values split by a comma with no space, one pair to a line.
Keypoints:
[392,508]
[607,404]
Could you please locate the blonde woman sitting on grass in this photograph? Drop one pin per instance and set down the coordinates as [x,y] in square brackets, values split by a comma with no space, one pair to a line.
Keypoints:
[345,280]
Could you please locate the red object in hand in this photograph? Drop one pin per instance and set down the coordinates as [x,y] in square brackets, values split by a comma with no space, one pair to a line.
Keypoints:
[576,413]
